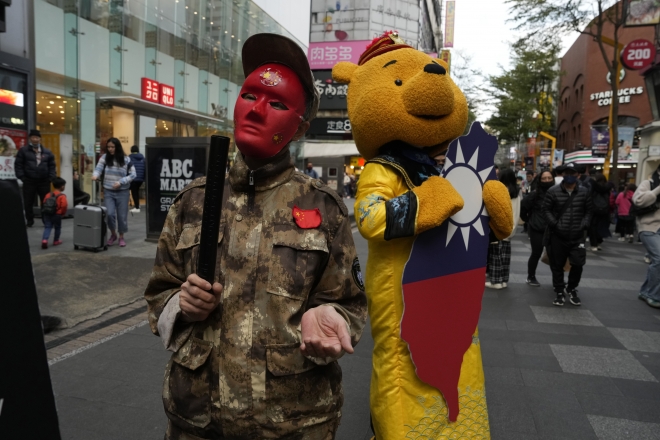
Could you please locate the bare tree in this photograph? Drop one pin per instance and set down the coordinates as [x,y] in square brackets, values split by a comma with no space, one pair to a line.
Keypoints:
[545,19]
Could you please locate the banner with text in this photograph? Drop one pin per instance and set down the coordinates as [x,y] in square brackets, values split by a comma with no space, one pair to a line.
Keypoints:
[449,23]
[169,169]
[326,55]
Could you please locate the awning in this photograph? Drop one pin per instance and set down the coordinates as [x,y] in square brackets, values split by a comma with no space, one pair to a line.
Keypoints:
[158,109]
[329,149]
[585,157]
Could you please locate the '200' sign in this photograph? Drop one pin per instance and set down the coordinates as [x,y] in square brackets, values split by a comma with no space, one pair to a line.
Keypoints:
[638,54]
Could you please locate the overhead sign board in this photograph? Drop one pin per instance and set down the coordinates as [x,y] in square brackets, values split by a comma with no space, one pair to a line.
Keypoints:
[157,93]
[449,24]
[323,56]
[642,12]
[333,94]
[638,54]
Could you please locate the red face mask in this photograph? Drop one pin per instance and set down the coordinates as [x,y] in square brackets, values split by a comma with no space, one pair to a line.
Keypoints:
[268,111]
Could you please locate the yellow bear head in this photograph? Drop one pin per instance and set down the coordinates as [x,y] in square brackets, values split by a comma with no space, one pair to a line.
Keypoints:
[404,95]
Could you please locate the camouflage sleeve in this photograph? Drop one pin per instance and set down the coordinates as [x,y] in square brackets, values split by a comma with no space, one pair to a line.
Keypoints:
[166,277]
[340,284]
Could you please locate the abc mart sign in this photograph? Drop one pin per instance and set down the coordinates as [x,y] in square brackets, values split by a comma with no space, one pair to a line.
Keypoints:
[605,98]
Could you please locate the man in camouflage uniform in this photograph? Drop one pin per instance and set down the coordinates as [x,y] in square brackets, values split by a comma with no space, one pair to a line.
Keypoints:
[255,354]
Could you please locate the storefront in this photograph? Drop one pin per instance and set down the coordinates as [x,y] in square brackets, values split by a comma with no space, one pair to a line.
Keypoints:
[627,163]
[134,70]
[585,99]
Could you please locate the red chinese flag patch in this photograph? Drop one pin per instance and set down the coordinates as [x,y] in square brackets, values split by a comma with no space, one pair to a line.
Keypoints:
[307,218]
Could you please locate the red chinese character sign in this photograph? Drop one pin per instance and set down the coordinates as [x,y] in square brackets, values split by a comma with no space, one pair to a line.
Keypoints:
[158,93]
[167,95]
[638,54]
[443,281]
[150,90]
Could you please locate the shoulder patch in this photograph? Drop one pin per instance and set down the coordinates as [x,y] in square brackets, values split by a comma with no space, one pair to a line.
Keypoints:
[197,183]
[357,274]
[326,189]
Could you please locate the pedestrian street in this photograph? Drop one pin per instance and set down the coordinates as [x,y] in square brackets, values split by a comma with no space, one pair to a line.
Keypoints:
[588,372]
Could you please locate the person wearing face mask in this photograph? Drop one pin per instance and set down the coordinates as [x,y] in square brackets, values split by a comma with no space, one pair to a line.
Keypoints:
[532,210]
[255,353]
[568,210]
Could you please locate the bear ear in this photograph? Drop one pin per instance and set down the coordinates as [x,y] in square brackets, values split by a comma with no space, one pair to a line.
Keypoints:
[343,71]
[443,63]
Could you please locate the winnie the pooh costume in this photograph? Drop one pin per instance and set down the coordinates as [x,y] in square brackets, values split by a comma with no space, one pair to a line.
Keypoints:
[404,109]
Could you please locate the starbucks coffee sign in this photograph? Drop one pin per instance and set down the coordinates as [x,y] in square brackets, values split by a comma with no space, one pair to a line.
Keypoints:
[605,98]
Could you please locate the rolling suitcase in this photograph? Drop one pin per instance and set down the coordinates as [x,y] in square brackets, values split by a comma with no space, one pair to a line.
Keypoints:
[89,227]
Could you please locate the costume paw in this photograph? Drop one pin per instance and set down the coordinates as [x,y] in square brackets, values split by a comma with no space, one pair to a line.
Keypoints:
[437,200]
[498,204]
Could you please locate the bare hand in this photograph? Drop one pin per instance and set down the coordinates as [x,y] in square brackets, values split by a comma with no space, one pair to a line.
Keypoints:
[197,300]
[116,185]
[95,178]
[324,333]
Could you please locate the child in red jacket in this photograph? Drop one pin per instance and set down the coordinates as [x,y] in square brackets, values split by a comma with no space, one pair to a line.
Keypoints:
[52,212]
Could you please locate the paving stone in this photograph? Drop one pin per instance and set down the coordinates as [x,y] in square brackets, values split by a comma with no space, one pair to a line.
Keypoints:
[594,283]
[600,362]
[531,349]
[557,315]
[638,340]
[638,389]
[559,424]
[526,326]
[622,260]
[609,428]
[498,324]
[516,417]
[568,381]
[503,375]
[647,358]
[497,346]
[619,407]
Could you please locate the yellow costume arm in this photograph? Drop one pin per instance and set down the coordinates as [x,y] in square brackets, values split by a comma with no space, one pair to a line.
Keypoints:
[437,200]
[498,205]
[385,208]
[377,184]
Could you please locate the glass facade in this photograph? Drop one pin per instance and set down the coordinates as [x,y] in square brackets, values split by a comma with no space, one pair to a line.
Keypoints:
[91,57]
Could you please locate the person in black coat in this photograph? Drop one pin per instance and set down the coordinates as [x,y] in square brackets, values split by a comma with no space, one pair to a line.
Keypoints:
[138,162]
[600,223]
[568,210]
[532,212]
[35,167]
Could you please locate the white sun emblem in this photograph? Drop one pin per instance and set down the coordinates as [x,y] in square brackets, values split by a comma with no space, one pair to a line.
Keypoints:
[469,183]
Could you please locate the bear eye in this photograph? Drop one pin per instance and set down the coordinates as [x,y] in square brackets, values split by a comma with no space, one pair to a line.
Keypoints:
[398,82]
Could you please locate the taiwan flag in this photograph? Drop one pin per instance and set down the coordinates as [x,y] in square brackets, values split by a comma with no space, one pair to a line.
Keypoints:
[443,281]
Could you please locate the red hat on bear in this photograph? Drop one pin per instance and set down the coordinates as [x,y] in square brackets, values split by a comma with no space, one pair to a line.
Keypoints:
[389,41]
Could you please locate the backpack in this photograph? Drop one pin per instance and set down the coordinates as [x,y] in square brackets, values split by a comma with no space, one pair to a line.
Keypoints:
[601,204]
[49,206]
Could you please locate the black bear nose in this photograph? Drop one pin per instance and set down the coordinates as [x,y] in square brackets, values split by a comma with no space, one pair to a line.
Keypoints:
[435,68]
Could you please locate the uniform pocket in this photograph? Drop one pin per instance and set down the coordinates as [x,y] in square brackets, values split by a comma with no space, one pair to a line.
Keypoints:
[187,385]
[296,256]
[189,244]
[298,388]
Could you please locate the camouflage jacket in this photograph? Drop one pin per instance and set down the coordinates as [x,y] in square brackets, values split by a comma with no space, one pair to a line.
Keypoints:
[242,367]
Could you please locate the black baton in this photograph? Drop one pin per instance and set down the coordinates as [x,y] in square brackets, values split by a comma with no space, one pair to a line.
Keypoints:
[215,185]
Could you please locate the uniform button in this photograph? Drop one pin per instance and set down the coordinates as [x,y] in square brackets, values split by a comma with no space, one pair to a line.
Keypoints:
[185,358]
[239,218]
[318,184]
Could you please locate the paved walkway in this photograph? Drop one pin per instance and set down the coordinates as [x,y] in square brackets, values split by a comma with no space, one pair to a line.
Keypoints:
[587,372]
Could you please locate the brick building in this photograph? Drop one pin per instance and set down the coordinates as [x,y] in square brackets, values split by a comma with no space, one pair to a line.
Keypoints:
[584,91]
